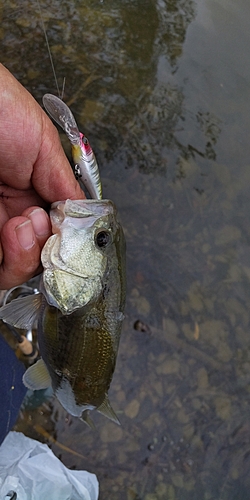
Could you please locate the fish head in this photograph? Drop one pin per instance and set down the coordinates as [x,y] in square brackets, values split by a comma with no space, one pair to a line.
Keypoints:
[75,258]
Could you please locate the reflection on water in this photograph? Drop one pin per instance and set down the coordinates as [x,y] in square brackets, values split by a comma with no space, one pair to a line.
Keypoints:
[161,89]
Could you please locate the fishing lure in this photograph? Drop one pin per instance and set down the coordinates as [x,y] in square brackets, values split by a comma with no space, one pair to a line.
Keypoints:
[86,167]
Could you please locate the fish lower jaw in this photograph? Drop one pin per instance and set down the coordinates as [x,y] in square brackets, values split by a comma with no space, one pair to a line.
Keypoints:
[68,292]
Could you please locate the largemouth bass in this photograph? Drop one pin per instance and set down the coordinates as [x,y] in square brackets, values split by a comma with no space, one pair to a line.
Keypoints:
[79,307]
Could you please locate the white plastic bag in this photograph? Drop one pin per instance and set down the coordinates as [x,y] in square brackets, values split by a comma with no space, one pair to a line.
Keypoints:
[31,470]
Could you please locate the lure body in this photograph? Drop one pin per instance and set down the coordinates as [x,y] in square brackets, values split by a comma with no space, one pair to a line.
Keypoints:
[86,167]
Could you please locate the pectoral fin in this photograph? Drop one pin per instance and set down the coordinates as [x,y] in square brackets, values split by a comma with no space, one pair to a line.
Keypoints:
[22,312]
[106,409]
[37,376]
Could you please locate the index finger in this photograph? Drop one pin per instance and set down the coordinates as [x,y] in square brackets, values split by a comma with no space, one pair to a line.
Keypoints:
[53,177]
[31,154]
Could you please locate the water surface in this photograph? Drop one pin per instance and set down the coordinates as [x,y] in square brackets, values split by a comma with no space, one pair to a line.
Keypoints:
[161,89]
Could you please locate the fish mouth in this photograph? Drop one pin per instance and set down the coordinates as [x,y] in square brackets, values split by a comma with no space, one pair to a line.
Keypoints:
[83,208]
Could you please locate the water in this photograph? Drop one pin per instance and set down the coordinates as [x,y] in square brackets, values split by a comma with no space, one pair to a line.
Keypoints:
[161,89]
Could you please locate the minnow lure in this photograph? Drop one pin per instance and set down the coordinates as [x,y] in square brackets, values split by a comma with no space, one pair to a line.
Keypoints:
[86,167]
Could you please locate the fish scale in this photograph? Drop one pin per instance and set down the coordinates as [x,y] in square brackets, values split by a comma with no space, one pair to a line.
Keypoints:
[84,355]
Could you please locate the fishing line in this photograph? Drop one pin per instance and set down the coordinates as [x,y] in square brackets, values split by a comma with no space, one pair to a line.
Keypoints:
[49,51]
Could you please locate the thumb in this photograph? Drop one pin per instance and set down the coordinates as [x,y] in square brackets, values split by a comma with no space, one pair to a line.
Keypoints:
[20,247]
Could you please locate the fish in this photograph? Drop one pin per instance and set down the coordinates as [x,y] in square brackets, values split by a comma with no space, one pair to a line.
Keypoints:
[79,307]
[86,167]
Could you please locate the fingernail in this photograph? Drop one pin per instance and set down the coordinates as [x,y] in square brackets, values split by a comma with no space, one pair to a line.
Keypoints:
[39,222]
[25,235]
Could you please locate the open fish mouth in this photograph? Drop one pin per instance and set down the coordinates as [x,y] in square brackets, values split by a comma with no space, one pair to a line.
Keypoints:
[83,208]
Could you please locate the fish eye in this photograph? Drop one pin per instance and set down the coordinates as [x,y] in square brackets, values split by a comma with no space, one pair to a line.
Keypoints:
[85,140]
[103,238]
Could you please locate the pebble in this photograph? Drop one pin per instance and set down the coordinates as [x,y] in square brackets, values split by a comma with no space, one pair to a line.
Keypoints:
[92,109]
[195,300]
[23,22]
[132,446]
[188,431]
[167,367]
[227,235]
[206,248]
[190,484]
[111,433]
[151,447]
[161,489]
[178,480]
[242,335]
[152,422]
[196,403]
[169,325]
[132,409]
[197,442]
[188,331]
[224,352]
[171,492]
[202,378]
[213,331]
[182,417]
[140,302]
[234,473]
[120,396]
[223,407]
[158,387]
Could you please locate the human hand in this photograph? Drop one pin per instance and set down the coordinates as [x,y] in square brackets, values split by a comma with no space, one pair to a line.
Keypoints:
[34,172]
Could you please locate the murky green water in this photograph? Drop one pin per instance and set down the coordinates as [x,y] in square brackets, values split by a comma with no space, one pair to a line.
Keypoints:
[161,89]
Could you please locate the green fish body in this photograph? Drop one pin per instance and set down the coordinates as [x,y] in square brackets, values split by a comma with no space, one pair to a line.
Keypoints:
[80,307]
